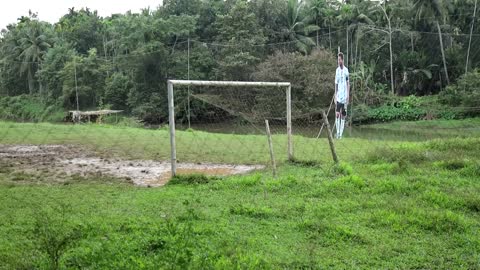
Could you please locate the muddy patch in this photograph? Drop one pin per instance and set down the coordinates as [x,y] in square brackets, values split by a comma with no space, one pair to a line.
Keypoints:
[56,161]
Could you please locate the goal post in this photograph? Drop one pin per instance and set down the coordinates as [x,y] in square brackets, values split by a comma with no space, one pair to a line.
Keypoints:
[171,108]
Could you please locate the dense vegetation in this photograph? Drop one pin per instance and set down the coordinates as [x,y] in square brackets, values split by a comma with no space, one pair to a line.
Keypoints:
[122,61]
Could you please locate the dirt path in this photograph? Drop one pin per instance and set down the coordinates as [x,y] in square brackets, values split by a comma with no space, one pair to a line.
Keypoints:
[60,160]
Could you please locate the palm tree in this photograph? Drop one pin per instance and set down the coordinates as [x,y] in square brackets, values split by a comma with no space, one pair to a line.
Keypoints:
[299,26]
[323,12]
[355,15]
[8,53]
[470,39]
[32,47]
[427,8]
[389,32]
[317,10]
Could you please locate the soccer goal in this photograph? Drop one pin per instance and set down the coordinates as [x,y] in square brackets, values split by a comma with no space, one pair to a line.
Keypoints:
[228,104]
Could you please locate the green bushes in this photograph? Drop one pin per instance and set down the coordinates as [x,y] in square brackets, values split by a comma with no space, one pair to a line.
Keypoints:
[406,109]
[465,93]
[191,179]
[54,234]
[389,113]
[409,108]
[34,109]
[29,108]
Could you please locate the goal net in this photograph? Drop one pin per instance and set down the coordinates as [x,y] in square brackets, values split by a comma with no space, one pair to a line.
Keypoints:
[224,122]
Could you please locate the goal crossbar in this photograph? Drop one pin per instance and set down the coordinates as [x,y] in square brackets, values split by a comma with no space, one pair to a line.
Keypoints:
[171,109]
[229,83]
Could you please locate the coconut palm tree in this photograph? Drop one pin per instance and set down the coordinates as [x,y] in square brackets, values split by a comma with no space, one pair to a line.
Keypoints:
[470,38]
[355,15]
[434,9]
[32,47]
[323,13]
[299,26]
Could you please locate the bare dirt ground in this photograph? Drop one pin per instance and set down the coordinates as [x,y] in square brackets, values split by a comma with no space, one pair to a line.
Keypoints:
[57,161]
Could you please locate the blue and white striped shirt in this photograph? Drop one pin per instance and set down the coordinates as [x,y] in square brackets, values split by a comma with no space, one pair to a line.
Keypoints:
[341,78]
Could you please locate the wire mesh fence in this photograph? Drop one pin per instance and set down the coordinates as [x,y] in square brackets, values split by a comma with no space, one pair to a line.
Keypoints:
[220,144]
[225,125]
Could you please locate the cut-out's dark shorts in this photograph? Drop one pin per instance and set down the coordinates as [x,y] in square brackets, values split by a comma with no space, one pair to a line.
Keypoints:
[341,109]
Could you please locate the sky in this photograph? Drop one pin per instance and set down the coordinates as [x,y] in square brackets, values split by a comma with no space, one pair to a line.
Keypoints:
[52,10]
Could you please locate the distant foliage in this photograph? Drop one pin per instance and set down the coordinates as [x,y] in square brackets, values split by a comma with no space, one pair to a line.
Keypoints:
[123,61]
[312,76]
[29,108]
[466,92]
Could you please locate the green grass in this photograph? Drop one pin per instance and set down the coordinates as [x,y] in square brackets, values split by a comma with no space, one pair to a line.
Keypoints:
[192,146]
[464,127]
[393,205]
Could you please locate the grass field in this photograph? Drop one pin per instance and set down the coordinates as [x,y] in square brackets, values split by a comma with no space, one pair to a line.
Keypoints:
[389,204]
[192,146]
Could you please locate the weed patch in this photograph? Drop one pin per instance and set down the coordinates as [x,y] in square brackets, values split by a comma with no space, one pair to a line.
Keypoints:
[192,179]
[252,211]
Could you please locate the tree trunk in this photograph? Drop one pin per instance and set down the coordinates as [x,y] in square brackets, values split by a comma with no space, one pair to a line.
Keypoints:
[346,62]
[443,52]
[355,63]
[470,40]
[329,36]
[360,83]
[105,52]
[392,86]
[391,62]
[411,41]
[354,81]
[351,56]
[105,46]
[40,86]
[30,81]
[76,85]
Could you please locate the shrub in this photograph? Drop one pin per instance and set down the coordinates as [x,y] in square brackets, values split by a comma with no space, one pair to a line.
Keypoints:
[29,108]
[55,234]
[466,92]
[191,179]
[389,113]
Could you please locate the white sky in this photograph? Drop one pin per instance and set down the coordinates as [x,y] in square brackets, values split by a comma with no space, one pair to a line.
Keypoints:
[52,10]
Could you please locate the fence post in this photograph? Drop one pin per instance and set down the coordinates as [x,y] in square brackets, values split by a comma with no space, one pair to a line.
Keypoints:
[328,112]
[171,124]
[270,145]
[289,122]
[330,138]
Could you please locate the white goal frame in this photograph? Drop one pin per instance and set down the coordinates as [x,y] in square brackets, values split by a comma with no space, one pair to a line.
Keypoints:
[171,109]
